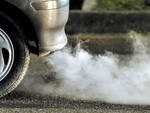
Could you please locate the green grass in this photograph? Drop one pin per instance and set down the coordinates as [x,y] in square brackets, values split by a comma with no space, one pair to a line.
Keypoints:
[120,4]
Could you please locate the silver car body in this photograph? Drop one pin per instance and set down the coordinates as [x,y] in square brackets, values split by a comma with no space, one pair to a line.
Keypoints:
[48,18]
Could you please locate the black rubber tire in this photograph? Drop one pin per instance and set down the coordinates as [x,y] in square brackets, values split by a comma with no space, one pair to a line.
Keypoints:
[21,54]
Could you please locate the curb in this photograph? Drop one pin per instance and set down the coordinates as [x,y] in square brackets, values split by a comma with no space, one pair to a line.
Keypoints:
[115,43]
[108,22]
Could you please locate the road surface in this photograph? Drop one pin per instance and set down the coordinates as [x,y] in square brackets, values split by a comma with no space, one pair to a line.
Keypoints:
[23,102]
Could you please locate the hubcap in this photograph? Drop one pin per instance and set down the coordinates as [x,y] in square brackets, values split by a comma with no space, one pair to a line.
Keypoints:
[6,54]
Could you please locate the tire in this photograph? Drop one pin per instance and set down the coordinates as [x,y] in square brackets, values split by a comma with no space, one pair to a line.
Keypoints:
[14,53]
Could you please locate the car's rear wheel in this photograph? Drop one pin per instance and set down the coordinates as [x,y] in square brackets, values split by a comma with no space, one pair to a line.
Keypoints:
[14,55]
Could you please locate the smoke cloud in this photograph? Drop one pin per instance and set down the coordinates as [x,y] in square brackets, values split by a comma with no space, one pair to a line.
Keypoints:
[108,77]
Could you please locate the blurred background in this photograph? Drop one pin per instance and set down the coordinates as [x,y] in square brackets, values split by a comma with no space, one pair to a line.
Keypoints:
[110,4]
[109,16]
[99,19]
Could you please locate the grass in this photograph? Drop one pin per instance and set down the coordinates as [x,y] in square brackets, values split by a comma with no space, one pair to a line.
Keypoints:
[120,4]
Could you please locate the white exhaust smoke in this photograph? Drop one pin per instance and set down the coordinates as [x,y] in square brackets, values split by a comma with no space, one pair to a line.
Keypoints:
[107,78]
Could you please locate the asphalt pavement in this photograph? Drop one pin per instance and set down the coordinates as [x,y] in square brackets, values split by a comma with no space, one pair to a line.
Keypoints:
[25,102]
[21,101]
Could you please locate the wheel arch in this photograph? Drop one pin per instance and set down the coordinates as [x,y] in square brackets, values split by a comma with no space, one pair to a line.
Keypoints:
[24,23]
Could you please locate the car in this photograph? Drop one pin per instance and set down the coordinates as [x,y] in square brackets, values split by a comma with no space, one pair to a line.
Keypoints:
[76,4]
[146,2]
[28,26]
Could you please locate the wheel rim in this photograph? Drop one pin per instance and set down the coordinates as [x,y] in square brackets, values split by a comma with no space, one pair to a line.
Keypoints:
[6,54]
